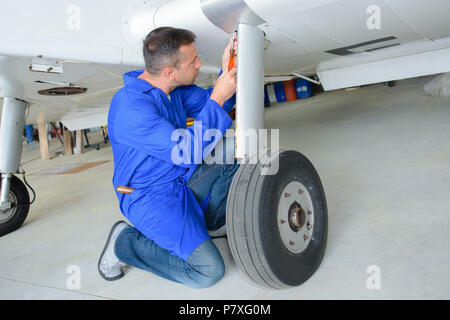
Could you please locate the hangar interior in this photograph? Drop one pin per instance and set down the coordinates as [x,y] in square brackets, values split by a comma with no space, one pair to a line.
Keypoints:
[382,153]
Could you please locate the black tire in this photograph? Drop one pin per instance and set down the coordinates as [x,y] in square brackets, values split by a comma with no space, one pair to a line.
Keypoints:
[252,222]
[19,210]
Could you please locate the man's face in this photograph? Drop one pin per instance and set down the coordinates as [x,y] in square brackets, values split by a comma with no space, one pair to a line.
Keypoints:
[189,65]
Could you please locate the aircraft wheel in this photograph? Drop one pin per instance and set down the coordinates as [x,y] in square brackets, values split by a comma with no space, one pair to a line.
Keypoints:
[11,219]
[277,224]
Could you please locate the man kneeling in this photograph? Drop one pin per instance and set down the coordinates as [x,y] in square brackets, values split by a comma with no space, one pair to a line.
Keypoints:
[172,206]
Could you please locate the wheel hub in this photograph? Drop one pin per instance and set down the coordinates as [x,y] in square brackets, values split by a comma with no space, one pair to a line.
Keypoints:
[295,217]
[6,215]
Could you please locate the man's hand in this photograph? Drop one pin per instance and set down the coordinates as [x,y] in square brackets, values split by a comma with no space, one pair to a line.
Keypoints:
[225,87]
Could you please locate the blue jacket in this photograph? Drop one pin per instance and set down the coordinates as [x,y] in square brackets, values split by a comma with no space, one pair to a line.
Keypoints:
[141,121]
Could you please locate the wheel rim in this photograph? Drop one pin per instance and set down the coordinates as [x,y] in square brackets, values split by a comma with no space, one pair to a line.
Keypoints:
[7,215]
[295,217]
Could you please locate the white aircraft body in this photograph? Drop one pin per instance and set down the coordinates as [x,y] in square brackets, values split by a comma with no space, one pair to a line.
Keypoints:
[90,44]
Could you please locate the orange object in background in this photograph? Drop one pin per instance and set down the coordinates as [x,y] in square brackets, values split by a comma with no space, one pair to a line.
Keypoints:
[290,90]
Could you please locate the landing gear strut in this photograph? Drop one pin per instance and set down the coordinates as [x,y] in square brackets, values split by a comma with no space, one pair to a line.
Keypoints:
[14,198]
[276,223]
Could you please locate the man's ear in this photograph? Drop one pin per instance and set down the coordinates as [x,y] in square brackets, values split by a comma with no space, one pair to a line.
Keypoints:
[169,73]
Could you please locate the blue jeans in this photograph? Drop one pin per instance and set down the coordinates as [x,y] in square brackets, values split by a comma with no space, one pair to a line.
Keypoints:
[205,265]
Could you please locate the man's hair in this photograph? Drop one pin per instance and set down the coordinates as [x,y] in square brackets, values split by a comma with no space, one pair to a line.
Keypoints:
[161,48]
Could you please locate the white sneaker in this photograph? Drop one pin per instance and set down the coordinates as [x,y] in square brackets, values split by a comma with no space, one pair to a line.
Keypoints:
[221,232]
[109,266]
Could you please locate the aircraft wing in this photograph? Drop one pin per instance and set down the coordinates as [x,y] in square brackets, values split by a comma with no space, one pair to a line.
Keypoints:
[90,44]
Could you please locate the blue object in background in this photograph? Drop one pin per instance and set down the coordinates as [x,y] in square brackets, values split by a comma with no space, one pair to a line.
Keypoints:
[29,133]
[303,88]
[279,91]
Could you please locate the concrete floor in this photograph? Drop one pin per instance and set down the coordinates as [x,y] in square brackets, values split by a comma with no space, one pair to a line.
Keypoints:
[383,155]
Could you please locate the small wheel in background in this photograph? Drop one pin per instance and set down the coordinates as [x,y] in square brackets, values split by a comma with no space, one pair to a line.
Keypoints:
[11,219]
